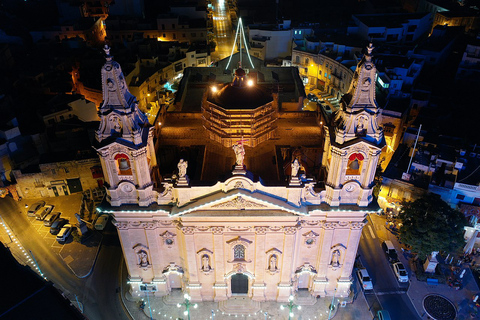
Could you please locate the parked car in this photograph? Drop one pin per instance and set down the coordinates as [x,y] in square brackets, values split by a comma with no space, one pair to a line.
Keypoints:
[50,218]
[364,279]
[64,233]
[34,208]
[400,272]
[57,225]
[41,214]
[312,97]
[101,222]
[390,251]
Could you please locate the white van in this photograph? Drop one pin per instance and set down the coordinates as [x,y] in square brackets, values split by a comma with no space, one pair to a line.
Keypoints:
[101,222]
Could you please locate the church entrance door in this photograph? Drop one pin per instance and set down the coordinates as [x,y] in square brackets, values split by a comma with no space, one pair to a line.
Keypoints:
[239,284]
[303,281]
[175,281]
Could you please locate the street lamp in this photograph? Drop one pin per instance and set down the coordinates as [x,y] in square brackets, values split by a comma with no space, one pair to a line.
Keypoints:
[290,307]
[332,305]
[187,305]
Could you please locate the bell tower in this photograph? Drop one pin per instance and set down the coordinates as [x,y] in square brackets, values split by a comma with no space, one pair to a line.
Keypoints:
[354,140]
[124,141]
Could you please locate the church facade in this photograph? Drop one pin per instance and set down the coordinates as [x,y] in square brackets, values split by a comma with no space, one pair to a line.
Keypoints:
[239,235]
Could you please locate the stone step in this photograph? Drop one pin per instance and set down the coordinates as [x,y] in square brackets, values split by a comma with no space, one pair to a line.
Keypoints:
[305,300]
[173,298]
[239,305]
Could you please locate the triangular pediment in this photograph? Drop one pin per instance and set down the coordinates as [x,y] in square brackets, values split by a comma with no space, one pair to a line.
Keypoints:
[239,200]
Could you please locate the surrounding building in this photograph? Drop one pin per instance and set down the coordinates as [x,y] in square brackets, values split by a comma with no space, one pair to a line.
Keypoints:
[268,42]
[469,67]
[401,28]
[216,228]
[58,178]
[436,167]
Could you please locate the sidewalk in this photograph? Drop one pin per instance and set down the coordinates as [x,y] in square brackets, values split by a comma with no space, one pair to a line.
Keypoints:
[357,310]
[418,290]
[157,308]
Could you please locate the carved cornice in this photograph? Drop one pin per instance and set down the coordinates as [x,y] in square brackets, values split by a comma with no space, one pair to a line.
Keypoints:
[261,230]
[290,230]
[188,230]
[217,230]
[239,203]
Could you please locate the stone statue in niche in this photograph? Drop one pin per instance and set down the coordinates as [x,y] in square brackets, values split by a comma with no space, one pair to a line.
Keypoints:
[116,124]
[239,153]
[361,124]
[336,258]
[272,265]
[143,259]
[295,168]
[182,168]
[206,263]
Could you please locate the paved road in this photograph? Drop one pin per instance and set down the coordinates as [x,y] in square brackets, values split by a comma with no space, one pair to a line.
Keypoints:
[96,293]
[388,294]
[222,28]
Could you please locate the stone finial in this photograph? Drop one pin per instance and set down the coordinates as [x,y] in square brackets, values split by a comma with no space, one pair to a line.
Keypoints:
[370,48]
[106,48]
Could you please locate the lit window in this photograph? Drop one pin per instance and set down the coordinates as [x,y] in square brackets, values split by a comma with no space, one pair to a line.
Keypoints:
[300,32]
[239,252]
[295,31]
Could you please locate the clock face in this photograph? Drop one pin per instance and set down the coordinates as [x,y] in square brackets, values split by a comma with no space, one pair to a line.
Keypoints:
[350,188]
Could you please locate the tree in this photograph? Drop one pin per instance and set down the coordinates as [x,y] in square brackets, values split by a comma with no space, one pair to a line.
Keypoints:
[430,224]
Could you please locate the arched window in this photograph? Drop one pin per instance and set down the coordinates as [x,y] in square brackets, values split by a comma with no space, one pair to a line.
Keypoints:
[354,164]
[297,59]
[239,252]
[123,164]
[307,61]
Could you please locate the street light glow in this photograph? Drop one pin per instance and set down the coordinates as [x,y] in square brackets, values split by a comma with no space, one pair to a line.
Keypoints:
[250,83]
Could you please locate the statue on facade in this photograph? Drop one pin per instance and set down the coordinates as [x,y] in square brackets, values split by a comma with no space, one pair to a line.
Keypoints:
[182,168]
[143,259]
[239,153]
[295,168]
[361,124]
[335,258]
[272,265]
[206,263]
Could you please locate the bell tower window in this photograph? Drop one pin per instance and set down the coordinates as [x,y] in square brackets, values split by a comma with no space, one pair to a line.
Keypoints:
[123,164]
[354,164]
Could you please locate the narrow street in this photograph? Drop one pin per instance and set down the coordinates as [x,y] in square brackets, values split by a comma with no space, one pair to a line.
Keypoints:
[223,30]
[388,293]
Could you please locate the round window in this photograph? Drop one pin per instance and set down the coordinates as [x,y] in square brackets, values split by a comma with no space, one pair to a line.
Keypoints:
[309,241]
[169,241]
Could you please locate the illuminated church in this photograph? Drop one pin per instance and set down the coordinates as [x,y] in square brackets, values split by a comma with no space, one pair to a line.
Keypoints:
[232,195]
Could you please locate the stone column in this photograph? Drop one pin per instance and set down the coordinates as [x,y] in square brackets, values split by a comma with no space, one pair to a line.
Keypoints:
[193,284]
[258,286]
[285,285]
[220,288]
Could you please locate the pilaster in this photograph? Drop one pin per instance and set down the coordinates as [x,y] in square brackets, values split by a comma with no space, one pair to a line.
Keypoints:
[285,286]
[258,287]
[191,257]
[220,287]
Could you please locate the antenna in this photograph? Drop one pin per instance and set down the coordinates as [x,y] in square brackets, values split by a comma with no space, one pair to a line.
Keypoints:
[240,34]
